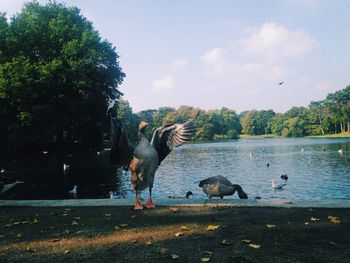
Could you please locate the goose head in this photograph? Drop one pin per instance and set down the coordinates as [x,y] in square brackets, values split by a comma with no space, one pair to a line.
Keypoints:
[241,193]
[142,126]
[188,194]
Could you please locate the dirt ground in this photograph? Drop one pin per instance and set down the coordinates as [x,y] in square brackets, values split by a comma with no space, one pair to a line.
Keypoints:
[174,234]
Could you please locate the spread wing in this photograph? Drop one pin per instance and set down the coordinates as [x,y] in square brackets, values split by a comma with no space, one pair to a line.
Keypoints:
[167,137]
[121,152]
[214,180]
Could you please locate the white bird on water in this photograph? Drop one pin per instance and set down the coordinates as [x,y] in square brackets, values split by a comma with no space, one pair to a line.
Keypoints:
[277,185]
[112,196]
[74,191]
[66,167]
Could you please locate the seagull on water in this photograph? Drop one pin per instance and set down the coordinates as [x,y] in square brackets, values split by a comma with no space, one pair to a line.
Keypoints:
[277,185]
[74,191]
[112,195]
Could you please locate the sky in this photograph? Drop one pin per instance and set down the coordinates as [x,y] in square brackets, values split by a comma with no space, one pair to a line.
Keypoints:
[224,53]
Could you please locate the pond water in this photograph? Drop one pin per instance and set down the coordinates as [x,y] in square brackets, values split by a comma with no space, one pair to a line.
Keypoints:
[316,170]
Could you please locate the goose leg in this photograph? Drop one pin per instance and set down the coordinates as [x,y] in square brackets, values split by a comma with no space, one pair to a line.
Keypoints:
[137,206]
[150,203]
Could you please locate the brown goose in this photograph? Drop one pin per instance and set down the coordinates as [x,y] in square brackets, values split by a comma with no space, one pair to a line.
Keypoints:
[143,160]
[219,186]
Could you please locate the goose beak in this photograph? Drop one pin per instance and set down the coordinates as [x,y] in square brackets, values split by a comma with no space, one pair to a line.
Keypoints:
[143,125]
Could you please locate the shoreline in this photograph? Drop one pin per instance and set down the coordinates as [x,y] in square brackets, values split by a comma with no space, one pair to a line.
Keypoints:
[278,203]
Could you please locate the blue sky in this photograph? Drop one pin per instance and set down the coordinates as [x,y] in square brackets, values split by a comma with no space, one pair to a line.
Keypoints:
[224,53]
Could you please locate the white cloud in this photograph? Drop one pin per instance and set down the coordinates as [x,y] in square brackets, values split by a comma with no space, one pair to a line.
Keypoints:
[165,83]
[214,56]
[273,41]
[180,63]
[256,58]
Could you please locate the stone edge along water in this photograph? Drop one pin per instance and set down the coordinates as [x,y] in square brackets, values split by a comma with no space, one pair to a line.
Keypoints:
[168,202]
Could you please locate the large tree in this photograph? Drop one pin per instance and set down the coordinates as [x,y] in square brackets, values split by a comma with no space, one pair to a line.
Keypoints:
[56,77]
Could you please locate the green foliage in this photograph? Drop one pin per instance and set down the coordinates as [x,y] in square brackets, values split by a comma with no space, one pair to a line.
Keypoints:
[256,122]
[294,127]
[129,119]
[214,125]
[56,77]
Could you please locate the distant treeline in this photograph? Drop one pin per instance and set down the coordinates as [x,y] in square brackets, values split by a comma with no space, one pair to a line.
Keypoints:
[328,116]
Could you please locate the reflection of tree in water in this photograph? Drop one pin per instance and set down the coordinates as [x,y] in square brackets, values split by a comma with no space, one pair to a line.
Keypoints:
[123,187]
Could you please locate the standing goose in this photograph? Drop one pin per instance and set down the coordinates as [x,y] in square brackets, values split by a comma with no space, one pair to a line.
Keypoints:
[143,160]
[220,186]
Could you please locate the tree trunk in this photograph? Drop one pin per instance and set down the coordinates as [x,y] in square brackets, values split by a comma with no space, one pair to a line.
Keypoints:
[320,119]
[341,127]
[348,126]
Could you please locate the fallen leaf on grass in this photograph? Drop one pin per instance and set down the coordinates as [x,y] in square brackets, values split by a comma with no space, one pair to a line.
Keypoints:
[334,219]
[270,226]
[255,246]
[212,227]
[35,221]
[314,219]
[117,228]
[19,235]
[74,223]
[11,224]
[178,234]
[123,225]
[66,252]
[134,241]
[183,228]
[205,259]
[306,223]
[31,250]
[225,242]
[149,243]
[174,256]
[173,209]
[247,241]
[163,250]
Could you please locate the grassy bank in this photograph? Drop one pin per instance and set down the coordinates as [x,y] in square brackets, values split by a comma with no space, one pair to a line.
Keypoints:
[337,135]
[263,136]
[168,234]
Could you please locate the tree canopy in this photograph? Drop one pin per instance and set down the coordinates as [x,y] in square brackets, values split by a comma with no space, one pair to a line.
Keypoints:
[56,78]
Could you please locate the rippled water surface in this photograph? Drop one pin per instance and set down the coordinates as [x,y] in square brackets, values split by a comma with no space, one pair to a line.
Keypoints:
[316,170]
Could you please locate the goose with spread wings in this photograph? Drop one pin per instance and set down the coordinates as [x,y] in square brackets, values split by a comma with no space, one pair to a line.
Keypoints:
[143,159]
